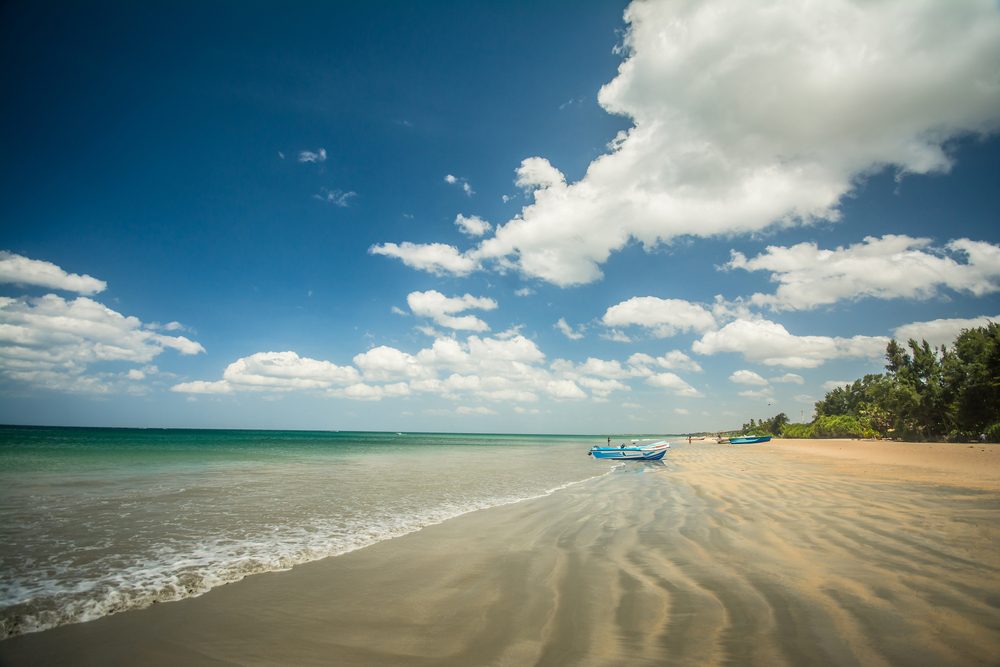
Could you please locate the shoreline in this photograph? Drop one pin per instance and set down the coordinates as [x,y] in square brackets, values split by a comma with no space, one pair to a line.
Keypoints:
[766,554]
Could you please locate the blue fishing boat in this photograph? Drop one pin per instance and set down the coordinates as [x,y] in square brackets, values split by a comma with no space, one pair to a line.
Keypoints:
[749,439]
[634,452]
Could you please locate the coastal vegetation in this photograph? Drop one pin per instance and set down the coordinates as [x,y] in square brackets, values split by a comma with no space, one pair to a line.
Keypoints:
[926,393]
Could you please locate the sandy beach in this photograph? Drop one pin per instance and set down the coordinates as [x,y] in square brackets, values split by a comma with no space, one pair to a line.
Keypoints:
[792,553]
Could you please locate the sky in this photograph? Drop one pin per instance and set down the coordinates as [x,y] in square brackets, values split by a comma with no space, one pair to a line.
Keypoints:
[534,217]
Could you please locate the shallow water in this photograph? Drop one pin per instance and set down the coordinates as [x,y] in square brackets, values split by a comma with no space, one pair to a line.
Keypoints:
[95,521]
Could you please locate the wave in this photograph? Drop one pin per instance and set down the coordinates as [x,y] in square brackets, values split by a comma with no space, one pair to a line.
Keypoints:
[179,571]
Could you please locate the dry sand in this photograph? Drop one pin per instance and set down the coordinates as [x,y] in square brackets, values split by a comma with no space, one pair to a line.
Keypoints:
[793,553]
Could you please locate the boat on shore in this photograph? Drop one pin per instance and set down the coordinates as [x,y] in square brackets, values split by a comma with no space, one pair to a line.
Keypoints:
[749,440]
[634,452]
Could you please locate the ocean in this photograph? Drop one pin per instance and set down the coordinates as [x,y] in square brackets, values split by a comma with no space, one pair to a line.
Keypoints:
[96,521]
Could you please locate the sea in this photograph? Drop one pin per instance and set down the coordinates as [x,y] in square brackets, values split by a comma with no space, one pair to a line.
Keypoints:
[95,521]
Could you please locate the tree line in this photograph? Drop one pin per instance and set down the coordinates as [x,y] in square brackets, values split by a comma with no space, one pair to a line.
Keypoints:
[926,393]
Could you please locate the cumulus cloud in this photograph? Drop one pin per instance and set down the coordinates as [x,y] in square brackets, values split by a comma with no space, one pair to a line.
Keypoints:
[21,270]
[52,342]
[203,387]
[790,108]
[677,360]
[472,225]
[507,368]
[940,332]
[673,382]
[524,291]
[360,391]
[567,330]
[884,268]
[641,364]
[443,310]
[436,258]
[748,377]
[769,343]
[789,378]
[662,317]
[318,155]
[274,372]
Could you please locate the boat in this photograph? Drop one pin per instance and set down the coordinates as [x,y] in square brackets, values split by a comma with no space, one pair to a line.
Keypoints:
[749,439]
[633,452]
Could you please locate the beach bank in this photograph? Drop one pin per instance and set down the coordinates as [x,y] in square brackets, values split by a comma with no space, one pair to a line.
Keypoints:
[791,553]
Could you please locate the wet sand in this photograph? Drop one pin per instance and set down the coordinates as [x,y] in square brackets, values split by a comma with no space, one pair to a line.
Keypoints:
[793,553]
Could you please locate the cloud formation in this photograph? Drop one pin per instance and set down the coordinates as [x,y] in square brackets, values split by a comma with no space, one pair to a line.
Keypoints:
[791,107]
[889,267]
[472,225]
[336,197]
[662,317]
[567,330]
[52,342]
[436,258]
[318,155]
[21,270]
[444,310]
[505,368]
[769,343]
[942,331]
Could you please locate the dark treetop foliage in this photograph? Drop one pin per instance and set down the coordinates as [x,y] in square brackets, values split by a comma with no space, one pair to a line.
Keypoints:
[926,393]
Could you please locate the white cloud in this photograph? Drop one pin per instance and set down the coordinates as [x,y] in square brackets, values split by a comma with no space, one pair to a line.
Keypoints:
[284,371]
[677,360]
[336,197]
[21,270]
[564,389]
[884,268]
[524,291]
[663,317]
[526,411]
[203,387]
[830,385]
[477,410]
[940,332]
[769,343]
[756,393]
[673,382]
[748,377]
[313,156]
[506,368]
[436,258]
[472,225]
[366,392]
[640,363]
[748,114]
[567,330]
[52,342]
[681,411]
[602,388]
[789,378]
[536,172]
[451,179]
[443,310]
[616,336]
[387,363]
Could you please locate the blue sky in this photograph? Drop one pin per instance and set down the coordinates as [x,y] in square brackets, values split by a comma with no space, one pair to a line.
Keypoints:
[519,217]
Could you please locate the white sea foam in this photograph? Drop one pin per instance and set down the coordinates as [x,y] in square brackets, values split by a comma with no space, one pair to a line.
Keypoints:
[174,569]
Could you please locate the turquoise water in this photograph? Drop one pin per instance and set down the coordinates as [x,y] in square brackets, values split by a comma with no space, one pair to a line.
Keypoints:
[95,521]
